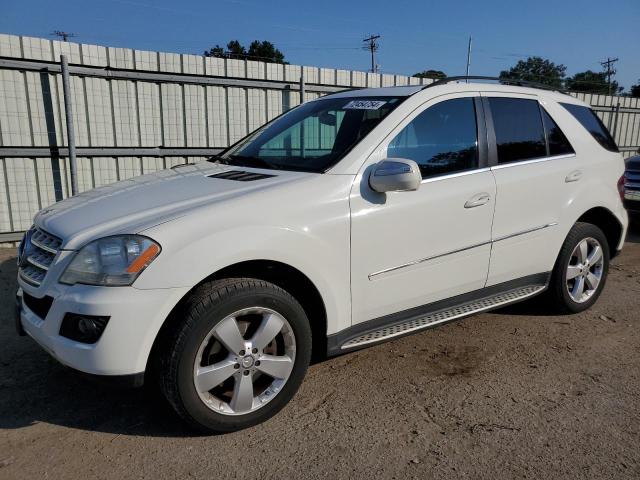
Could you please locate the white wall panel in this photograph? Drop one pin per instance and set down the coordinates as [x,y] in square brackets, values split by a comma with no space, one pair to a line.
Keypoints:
[125,116]
[217,118]
[14,114]
[237,113]
[195,116]
[149,113]
[172,115]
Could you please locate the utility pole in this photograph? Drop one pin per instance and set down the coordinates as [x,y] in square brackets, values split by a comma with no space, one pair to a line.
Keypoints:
[468,57]
[64,35]
[373,46]
[609,70]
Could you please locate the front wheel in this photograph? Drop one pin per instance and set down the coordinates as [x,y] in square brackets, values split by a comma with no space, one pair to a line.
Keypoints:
[581,269]
[237,356]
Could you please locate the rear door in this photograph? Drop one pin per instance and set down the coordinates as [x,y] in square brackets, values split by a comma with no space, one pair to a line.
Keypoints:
[537,173]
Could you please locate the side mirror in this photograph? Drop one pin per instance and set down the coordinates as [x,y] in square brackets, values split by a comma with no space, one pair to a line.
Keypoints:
[395,175]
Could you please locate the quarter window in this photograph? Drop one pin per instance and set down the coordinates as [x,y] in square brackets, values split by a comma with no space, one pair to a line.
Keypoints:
[558,143]
[593,124]
[518,127]
[443,139]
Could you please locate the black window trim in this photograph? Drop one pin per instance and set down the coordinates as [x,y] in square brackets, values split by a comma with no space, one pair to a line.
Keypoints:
[493,145]
[546,133]
[482,137]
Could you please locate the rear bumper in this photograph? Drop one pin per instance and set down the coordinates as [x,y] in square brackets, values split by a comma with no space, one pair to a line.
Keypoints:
[632,199]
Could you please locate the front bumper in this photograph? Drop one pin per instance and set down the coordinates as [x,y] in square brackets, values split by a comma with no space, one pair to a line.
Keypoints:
[135,317]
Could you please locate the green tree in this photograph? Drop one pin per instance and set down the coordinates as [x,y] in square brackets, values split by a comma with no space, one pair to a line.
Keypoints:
[591,82]
[258,50]
[536,69]
[635,90]
[265,51]
[435,74]
[216,51]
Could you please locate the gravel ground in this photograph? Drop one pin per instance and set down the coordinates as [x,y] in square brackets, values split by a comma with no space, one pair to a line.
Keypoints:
[517,393]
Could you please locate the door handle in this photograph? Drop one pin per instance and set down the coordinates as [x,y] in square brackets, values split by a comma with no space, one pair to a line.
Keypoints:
[477,200]
[573,176]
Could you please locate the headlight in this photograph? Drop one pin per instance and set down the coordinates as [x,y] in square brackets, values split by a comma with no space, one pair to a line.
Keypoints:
[111,261]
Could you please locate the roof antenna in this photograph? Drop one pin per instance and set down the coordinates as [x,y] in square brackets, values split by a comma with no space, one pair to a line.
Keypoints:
[468,58]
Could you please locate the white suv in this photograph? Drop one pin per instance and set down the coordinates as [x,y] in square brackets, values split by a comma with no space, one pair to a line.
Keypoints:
[347,221]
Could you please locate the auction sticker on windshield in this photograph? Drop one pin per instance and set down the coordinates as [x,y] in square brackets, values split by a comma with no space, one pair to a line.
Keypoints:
[364,104]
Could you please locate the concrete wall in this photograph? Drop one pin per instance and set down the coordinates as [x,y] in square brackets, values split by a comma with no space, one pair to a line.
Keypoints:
[139,111]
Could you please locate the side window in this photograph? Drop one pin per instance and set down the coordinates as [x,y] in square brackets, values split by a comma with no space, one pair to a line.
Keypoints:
[442,139]
[558,143]
[519,131]
[593,124]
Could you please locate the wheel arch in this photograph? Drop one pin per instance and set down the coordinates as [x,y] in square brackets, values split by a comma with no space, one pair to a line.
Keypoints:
[604,219]
[281,274]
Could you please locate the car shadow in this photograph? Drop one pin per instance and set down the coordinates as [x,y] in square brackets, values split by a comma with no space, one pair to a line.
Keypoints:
[35,388]
[633,234]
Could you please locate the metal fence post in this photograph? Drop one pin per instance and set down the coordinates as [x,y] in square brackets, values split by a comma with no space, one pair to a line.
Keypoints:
[615,121]
[302,134]
[71,137]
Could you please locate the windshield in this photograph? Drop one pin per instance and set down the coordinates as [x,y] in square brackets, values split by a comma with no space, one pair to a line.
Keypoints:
[313,136]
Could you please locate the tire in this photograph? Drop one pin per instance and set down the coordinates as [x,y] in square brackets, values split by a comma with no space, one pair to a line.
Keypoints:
[563,291]
[203,347]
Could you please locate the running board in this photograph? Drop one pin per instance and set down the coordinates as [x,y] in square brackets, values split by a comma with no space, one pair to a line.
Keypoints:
[442,316]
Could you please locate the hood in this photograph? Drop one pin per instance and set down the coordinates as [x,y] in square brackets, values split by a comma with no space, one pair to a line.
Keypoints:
[633,163]
[134,205]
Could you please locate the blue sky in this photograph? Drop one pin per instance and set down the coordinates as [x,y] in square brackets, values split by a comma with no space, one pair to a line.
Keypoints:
[416,35]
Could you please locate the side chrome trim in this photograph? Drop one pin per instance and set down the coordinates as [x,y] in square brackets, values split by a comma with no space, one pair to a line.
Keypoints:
[533,160]
[524,232]
[426,259]
[459,250]
[454,175]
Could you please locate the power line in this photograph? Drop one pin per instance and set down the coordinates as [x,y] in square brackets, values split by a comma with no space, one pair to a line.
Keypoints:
[609,70]
[373,46]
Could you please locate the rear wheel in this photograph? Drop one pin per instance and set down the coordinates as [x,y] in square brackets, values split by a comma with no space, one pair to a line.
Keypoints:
[238,356]
[581,269]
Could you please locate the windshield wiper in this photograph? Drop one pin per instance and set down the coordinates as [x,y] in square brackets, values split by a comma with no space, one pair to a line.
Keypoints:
[254,162]
[218,159]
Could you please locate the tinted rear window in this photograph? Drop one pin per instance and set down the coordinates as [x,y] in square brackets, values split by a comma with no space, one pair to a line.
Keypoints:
[593,124]
[518,126]
[558,143]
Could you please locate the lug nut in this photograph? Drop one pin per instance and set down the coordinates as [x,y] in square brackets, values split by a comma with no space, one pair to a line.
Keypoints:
[254,350]
[246,372]
[257,364]
[236,366]
[241,352]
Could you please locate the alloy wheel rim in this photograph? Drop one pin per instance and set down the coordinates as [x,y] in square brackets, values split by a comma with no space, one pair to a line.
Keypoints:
[244,361]
[585,270]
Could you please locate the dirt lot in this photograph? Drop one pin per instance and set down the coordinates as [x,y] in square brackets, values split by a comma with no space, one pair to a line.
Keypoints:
[517,393]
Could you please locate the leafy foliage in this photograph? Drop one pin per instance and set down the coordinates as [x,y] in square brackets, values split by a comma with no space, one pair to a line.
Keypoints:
[635,90]
[258,50]
[537,69]
[435,74]
[592,82]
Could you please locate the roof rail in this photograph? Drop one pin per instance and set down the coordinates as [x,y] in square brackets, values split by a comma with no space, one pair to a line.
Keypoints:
[504,81]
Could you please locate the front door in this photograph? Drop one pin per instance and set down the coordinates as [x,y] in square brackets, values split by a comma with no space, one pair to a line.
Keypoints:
[413,248]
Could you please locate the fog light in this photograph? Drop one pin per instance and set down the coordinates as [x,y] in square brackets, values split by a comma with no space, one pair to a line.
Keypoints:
[83,328]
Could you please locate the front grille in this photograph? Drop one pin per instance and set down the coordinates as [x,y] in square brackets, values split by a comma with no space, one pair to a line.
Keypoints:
[38,252]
